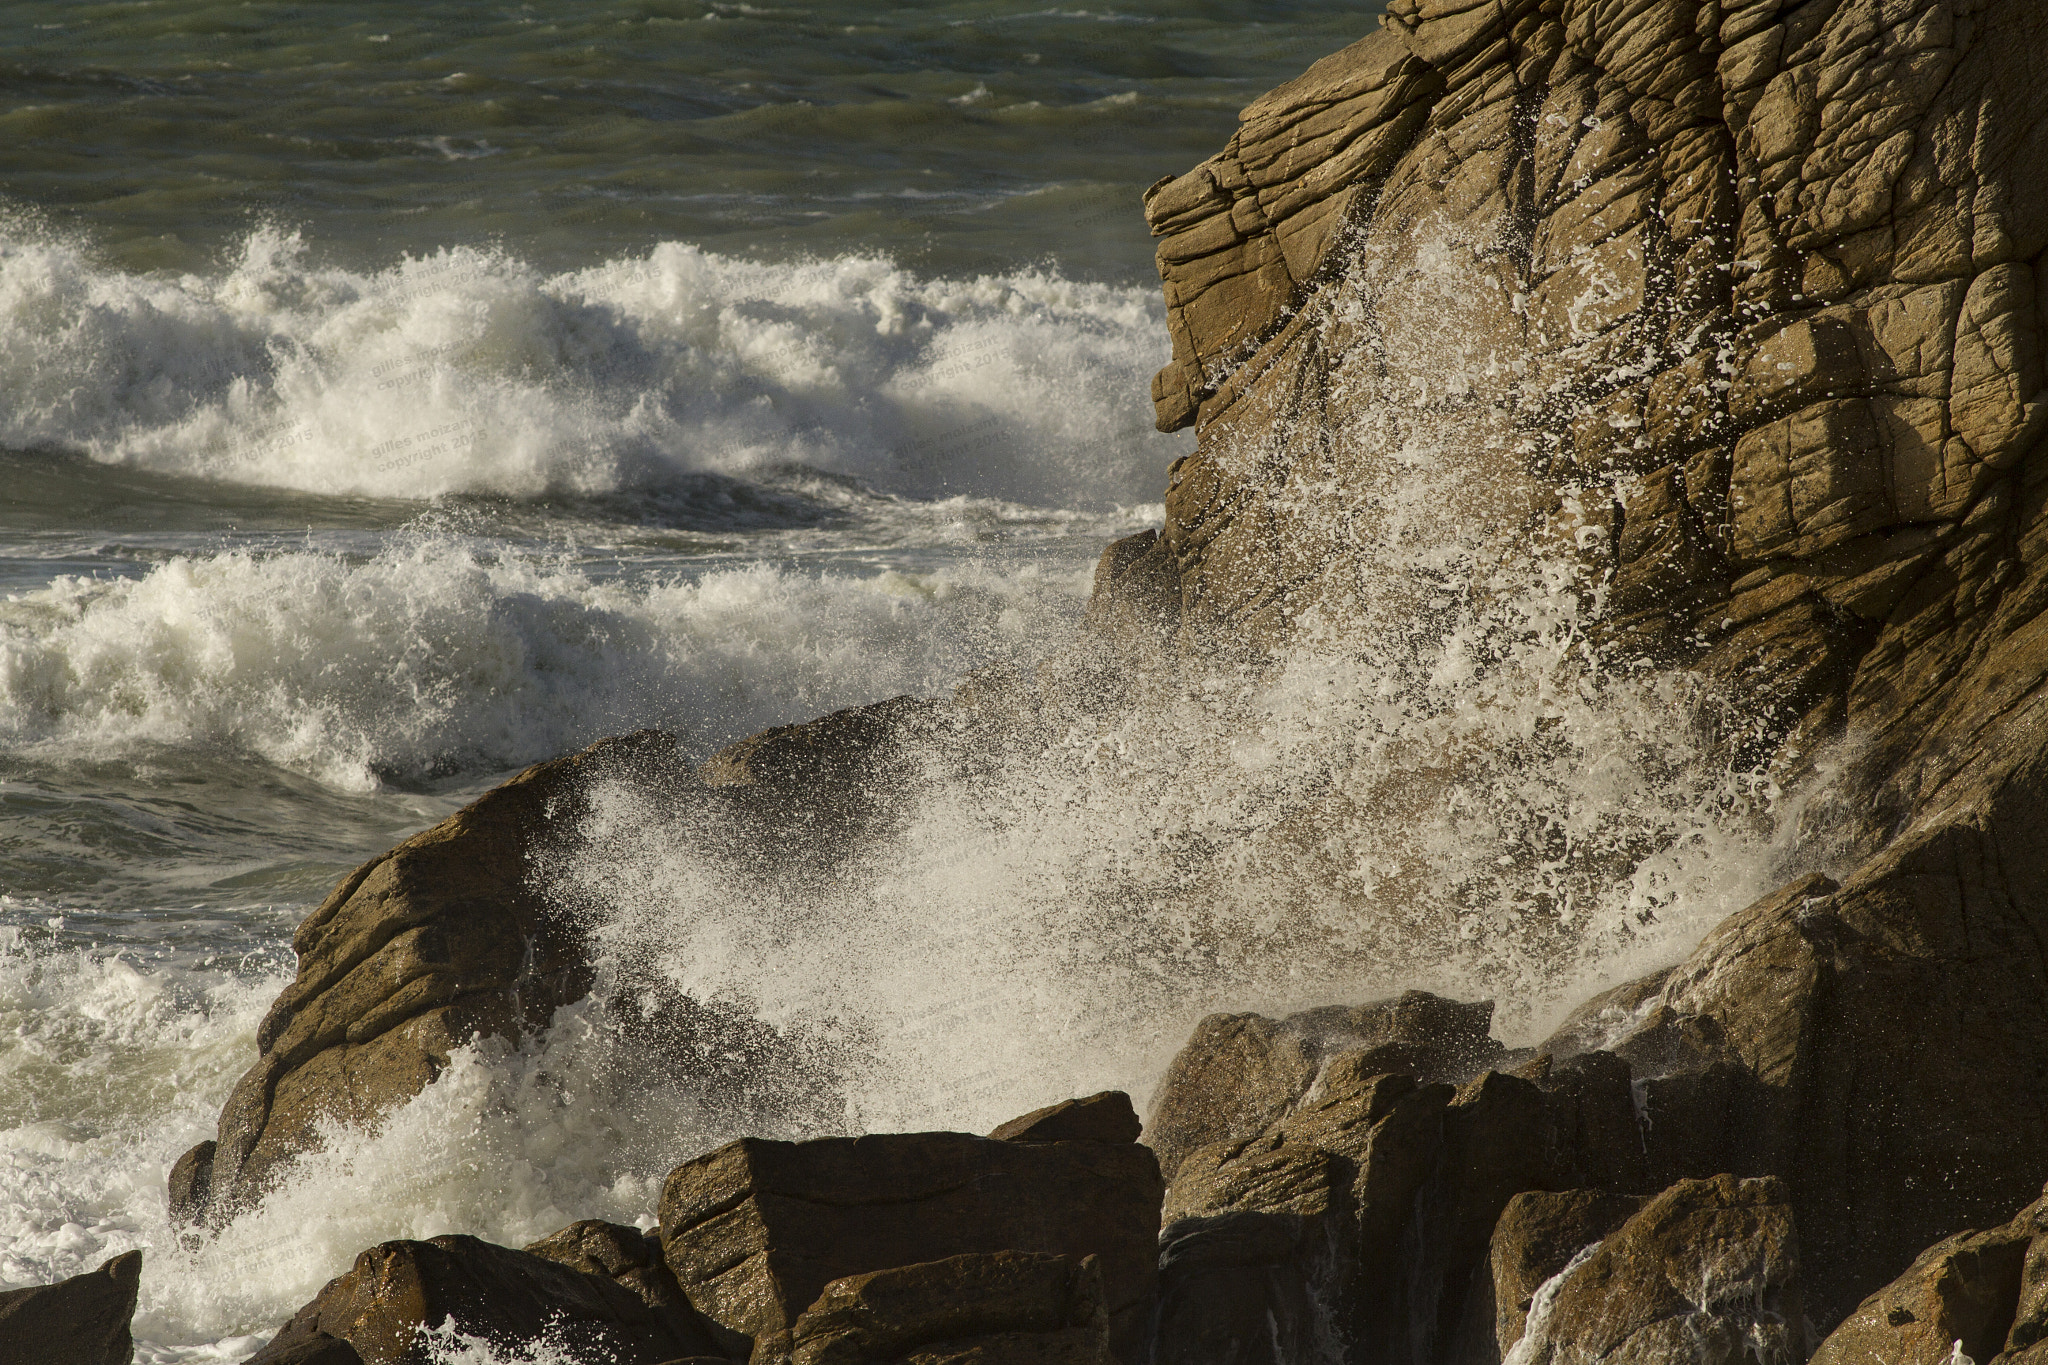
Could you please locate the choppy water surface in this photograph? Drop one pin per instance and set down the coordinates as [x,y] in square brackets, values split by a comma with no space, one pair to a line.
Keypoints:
[395,395]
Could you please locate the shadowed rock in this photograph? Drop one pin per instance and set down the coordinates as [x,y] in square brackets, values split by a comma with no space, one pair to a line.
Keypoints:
[1982,1293]
[510,1299]
[1003,1308]
[80,1321]
[1107,1117]
[755,1230]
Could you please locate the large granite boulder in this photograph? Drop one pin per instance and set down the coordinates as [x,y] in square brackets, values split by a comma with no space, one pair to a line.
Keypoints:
[756,1230]
[80,1321]
[388,1306]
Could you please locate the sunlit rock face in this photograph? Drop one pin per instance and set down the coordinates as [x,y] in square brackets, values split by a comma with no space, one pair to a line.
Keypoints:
[1722,320]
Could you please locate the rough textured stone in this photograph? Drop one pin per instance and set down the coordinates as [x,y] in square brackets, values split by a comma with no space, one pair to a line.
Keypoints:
[80,1321]
[1536,1238]
[631,1258]
[439,941]
[1001,1308]
[511,1299]
[1707,1272]
[1980,1293]
[1240,1072]
[755,1230]
[1107,1117]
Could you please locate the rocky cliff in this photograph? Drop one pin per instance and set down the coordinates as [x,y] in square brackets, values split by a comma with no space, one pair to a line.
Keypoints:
[1730,308]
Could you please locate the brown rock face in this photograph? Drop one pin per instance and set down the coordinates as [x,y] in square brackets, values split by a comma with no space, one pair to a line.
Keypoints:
[439,941]
[1107,1117]
[1240,1072]
[1535,1240]
[508,1298]
[1983,1293]
[1706,1272]
[80,1321]
[1005,1308]
[755,1230]
[1365,1216]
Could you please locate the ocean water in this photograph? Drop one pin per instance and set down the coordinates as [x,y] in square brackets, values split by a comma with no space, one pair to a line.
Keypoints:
[392,396]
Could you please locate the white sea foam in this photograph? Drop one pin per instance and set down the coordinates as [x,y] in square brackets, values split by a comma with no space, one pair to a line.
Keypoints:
[470,371]
[439,655]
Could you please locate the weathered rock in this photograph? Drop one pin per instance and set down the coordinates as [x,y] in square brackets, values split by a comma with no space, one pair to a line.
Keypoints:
[1107,1117]
[1001,1308]
[821,782]
[1240,1072]
[755,1230]
[80,1321]
[1708,1272]
[629,1257]
[508,1298]
[439,941]
[1980,1293]
[1364,1216]
[1536,1238]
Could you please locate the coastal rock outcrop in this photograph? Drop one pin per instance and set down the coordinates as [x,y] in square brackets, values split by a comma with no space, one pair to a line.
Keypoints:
[442,940]
[399,1298]
[1000,1308]
[1706,1272]
[756,1230]
[1980,1294]
[82,1320]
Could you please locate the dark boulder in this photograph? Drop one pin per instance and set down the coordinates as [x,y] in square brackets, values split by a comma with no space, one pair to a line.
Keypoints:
[508,1298]
[1107,1117]
[1241,1072]
[79,1321]
[755,1230]
[1000,1308]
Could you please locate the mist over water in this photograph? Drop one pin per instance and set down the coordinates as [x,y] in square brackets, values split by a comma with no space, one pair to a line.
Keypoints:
[322,522]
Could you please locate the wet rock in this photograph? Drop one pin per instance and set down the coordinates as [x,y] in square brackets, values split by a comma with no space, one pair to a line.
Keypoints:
[1001,1308]
[1980,1293]
[1106,1117]
[630,1258]
[755,1230]
[1536,1238]
[80,1321]
[510,1299]
[1234,1289]
[1708,1272]
[1365,1214]
[1241,1072]
[817,785]
[440,941]
[191,1184]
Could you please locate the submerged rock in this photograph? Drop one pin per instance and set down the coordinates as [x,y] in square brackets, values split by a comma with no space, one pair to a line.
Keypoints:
[381,1311]
[80,1321]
